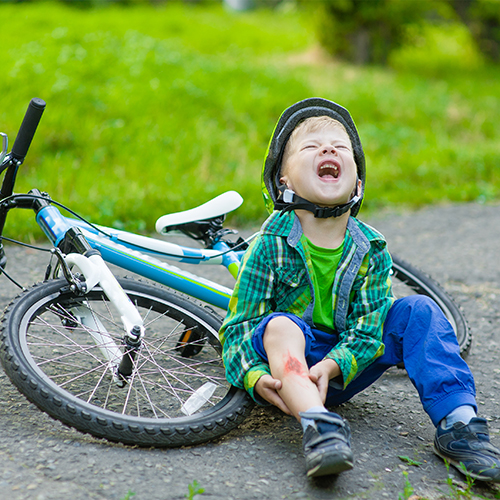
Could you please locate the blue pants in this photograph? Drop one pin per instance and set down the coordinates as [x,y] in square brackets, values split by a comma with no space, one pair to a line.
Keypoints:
[417,333]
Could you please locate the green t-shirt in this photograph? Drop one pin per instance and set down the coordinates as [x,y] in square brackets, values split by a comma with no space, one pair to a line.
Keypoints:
[324,262]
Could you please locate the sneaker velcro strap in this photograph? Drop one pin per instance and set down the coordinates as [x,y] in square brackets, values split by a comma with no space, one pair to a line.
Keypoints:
[330,438]
[478,426]
[329,418]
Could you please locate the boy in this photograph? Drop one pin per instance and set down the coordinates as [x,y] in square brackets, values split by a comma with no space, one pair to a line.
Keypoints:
[313,320]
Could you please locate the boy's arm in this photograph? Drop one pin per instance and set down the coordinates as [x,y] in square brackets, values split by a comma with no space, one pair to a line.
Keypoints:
[361,343]
[249,304]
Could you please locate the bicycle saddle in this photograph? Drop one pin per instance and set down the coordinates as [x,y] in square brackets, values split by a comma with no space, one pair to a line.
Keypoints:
[216,207]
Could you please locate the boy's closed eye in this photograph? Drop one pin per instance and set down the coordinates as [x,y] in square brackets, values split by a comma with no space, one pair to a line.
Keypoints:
[317,145]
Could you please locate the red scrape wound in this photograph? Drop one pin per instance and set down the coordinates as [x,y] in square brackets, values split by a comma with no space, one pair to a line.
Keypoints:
[293,365]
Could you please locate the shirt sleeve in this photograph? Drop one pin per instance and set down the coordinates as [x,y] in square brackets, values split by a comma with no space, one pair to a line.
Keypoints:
[361,343]
[249,304]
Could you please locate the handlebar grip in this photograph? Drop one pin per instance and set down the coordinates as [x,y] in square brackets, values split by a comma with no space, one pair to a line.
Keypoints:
[28,128]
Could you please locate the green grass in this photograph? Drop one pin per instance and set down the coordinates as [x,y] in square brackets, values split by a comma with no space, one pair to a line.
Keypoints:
[157,110]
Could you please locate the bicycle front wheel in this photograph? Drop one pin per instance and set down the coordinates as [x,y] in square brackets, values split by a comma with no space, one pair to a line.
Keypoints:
[60,351]
[409,280]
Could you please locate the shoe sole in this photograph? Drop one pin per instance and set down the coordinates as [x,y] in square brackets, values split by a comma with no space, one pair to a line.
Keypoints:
[458,466]
[331,467]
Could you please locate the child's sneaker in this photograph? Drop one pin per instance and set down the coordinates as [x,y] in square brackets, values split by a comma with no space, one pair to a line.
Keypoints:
[469,445]
[327,444]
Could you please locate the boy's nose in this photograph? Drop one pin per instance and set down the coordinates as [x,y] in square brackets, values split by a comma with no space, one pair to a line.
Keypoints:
[328,149]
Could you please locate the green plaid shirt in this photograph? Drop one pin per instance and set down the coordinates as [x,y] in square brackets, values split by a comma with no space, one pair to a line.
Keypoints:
[275,276]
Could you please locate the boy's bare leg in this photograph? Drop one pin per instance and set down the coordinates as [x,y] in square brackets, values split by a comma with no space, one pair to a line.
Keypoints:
[301,391]
[285,344]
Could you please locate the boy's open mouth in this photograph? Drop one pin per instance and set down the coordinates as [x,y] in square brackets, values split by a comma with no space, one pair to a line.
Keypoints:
[329,170]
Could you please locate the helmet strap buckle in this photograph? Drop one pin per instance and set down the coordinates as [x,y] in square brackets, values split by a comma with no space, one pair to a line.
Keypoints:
[289,200]
[287,196]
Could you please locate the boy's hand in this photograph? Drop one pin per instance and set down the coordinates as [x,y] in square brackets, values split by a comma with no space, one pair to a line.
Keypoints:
[321,373]
[267,387]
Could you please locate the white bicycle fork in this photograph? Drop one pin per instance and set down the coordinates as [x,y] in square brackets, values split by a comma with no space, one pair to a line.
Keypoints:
[96,272]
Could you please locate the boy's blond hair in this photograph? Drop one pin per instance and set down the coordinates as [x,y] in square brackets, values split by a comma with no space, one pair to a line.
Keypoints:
[307,126]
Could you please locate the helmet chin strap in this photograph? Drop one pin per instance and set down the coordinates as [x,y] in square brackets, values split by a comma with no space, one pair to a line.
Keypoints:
[289,201]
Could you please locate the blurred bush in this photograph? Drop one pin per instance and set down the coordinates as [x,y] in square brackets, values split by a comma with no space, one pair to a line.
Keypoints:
[482,17]
[365,32]
[437,49]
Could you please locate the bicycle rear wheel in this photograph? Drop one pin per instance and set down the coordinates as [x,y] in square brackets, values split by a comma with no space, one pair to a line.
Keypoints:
[56,350]
[410,280]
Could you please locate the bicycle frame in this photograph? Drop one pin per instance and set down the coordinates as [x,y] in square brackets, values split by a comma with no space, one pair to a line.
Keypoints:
[141,255]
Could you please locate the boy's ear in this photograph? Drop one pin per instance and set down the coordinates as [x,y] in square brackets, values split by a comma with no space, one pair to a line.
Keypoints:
[360,187]
[357,189]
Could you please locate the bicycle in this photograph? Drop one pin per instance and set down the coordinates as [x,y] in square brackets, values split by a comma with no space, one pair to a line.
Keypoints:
[151,374]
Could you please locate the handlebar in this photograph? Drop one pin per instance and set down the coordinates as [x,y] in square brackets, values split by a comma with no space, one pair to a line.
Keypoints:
[28,128]
[16,157]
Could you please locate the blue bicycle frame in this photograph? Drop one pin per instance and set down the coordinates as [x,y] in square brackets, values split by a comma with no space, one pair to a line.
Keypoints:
[141,255]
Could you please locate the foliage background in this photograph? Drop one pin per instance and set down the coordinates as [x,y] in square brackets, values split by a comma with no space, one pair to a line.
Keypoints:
[152,109]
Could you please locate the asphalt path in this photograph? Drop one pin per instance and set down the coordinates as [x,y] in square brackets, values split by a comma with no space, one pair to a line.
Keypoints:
[458,245]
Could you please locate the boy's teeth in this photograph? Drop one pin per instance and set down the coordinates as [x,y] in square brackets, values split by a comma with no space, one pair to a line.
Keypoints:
[334,169]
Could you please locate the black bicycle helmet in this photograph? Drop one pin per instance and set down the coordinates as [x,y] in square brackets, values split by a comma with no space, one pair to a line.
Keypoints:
[276,197]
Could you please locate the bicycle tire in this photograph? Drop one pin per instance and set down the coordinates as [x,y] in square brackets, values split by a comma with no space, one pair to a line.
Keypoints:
[49,354]
[409,279]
